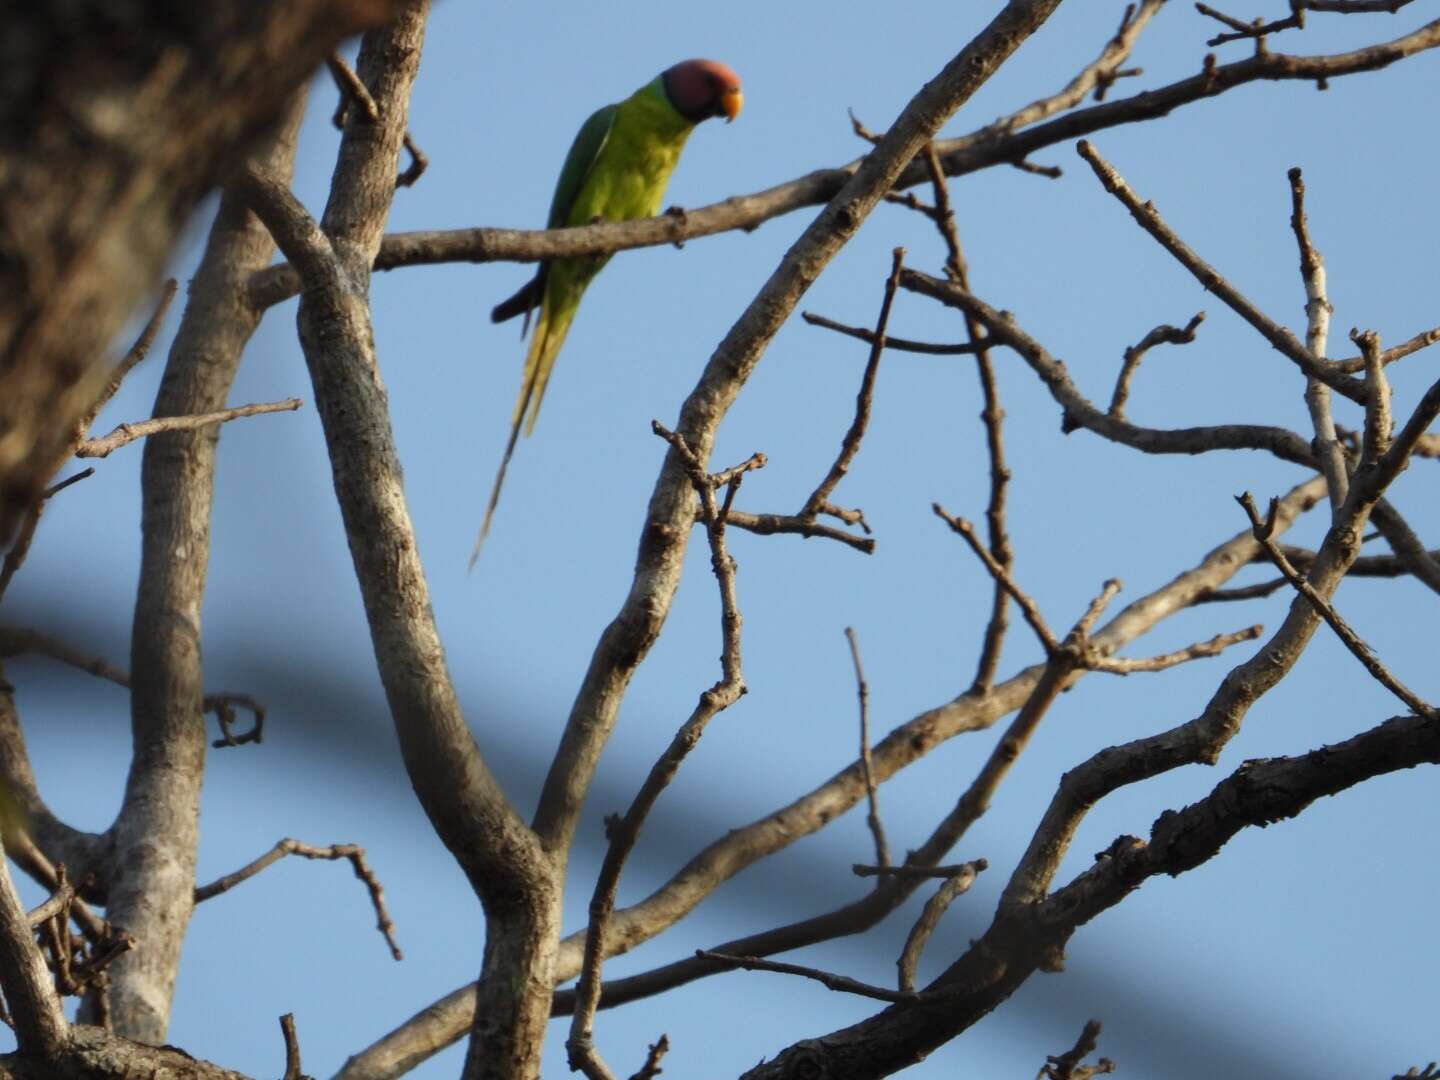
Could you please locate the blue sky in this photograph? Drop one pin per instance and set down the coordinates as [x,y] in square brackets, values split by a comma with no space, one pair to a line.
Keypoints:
[1304,949]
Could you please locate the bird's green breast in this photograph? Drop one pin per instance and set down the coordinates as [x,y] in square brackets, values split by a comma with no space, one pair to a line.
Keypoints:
[633,168]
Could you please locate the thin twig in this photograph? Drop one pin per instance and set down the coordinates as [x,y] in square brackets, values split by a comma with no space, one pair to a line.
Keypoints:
[352,91]
[1028,607]
[651,1068]
[1410,554]
[1257,30]
[223,706]
[1241,592]
[1263,530]
[25,535]
[1054,172]
[128,433]
[61,896]
[860,130]
[1328,451]
[839,983]
[292,1048]
[819,500]
[137,353]
[16,641]
[862,691]
[351,852]
[20,547]
[1067,1066]
[1149,219]
[1165,334]
[910,870]
[1098,76]
[992,415]
[1200,650]
[1354,365]
[771,524]
[418,164]
[926,924]
[929,348]
[1379,424]
[623,834]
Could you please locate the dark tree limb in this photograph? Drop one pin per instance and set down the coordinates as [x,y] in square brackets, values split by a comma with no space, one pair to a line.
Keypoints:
[1257,794]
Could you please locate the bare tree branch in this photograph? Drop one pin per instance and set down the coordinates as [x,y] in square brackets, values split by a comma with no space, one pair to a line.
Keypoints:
[627,639]
[1328,451]
[970,153]
[125,434]
[1067,1066]
[1079,412]
[964,348]
[137,353]
[829,980]
[927,923]
[1362,652]
[819,500]
[773,524]
[730,687]
[1259,793]
[445,1020]
[1409,551]
[862,691]
[1161,335]
[1259,29]
[40,1026]
[958,271]
[515,877]
[1279,337]
[354,853]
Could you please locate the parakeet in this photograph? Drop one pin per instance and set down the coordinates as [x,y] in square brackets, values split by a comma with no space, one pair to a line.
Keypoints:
[617,169]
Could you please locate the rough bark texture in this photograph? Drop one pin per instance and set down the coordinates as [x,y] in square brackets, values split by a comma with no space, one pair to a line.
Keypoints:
[116,116]
[517,882]
[40,1027]
[93,1054]
[151,871]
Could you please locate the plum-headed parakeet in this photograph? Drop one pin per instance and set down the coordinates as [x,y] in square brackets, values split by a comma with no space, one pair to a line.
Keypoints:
[616,170]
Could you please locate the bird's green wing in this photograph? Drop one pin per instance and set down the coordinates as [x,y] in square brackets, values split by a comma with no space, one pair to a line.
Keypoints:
[578,162]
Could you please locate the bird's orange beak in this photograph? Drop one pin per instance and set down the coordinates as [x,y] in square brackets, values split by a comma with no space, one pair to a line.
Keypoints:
[731,102]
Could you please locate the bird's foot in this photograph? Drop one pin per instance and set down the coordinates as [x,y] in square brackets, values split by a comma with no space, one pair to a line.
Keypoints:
[678,213]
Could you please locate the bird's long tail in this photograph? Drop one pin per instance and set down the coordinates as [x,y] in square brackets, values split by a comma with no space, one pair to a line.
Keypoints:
[550,331]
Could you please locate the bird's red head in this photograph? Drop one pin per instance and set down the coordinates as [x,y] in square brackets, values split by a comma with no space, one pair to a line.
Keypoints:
[700,89]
